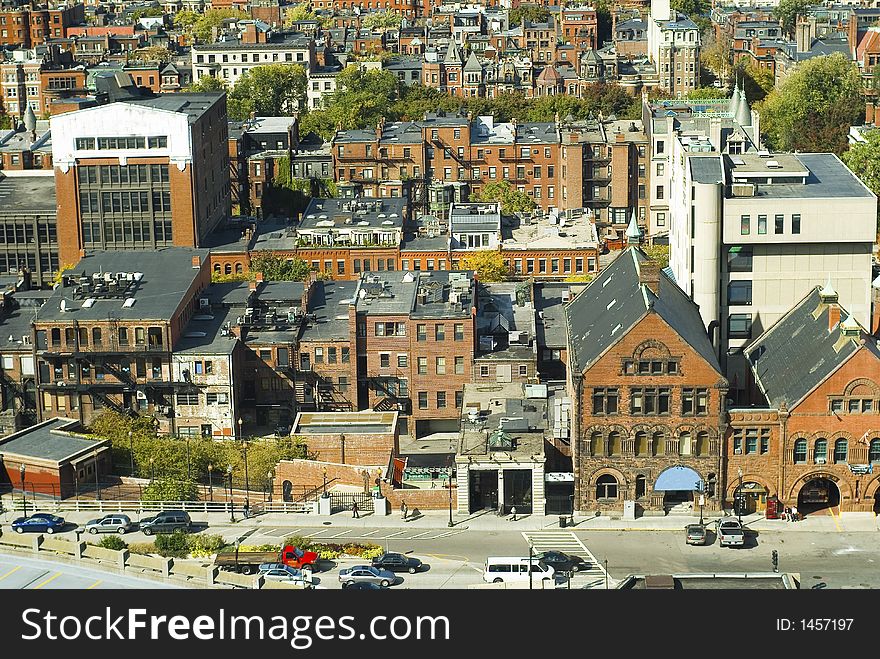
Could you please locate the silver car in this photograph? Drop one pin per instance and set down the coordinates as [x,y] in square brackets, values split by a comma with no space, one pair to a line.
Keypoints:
[115,523]
[366,574]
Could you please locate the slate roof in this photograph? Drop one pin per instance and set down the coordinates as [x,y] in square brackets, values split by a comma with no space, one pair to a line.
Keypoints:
[46,441]
[799,352]
[614,302]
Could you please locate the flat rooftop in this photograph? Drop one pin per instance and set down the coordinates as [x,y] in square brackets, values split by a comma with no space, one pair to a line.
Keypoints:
[525,422]
[192,104]
[544,234]
[48,441]
[27,194]
[349,423]
[385,213]
[329,303]
[826,176]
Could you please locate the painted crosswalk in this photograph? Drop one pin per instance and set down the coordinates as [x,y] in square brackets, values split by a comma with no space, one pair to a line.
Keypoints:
[337,533]
[568,543]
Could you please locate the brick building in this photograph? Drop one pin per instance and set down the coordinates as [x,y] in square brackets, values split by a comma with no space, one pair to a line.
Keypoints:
[141,173]
[34,25]
[647,393]
[812,438]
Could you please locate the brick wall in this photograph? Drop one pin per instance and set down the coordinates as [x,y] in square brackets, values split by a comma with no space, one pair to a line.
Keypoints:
[351,449]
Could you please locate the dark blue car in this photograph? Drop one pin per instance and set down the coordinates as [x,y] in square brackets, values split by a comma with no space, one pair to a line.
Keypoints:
[38,523]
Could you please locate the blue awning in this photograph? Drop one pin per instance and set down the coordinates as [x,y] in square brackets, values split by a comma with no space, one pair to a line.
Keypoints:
[682,479]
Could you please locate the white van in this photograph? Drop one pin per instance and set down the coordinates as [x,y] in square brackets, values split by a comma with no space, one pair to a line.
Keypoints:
[508,569]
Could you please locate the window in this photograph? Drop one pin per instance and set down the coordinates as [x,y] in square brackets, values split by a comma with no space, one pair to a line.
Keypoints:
[751,441]
[659,192]
[459,332]
[795,224]
[840,451]
[684,444]
[606,486]
[459,365]
[188,398]
[441,400]
[641,443]
[345,355]
[423,400]
[484,371]
[739,259]
[319,355]
[422,365]
[765,440]
[402,361]
[459,399]
[605,400]
[874,451]
[441,365]
[800,452]
[440,332]
[779,224]
[745,225]
[820,451]
[384,360]
[421,332]
[739,326]
[762,225]
[739,293]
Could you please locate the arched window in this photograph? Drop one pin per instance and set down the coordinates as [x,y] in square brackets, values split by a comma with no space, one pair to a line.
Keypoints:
[239,268]
[820,451]
[800,452]
[217,269]
[614,443]
[641,443]
[702,445]
[227,268]
[658,444]
[596,443]
[684,444]
[874,451]
[641,486]
[606,487]
[287,490]
[840,450]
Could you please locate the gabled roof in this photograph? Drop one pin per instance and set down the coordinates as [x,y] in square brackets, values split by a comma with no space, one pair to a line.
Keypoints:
[472,63]
[615,301]
[799,352]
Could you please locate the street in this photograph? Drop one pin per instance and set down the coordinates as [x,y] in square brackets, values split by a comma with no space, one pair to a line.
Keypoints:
[24,573]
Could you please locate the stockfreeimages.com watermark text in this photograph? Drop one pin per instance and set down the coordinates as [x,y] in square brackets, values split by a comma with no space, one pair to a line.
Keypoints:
[299,631]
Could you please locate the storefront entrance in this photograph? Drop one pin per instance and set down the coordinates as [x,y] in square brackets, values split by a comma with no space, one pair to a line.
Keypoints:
[818,495]
[754,498]
[518,490]
[483,490]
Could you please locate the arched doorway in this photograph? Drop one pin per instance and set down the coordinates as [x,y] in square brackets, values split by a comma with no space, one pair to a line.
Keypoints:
[754,497]
[818,495]
[678,485]
[287,491]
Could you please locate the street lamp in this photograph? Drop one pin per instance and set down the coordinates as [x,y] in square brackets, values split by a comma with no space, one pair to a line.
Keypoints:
[152,473]
[131,450]
[231,502]
[324,473]
[210,482]
[97,488]
[738,496]
[21,470]
[531,554]
[247,484]
[700,487]
[269,477]
[449,485]
[240,424]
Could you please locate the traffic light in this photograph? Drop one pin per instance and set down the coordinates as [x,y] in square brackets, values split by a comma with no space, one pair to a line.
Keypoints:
[774,557]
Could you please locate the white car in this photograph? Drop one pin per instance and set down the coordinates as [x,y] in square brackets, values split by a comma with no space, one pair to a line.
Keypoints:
[730,532]
[281,572]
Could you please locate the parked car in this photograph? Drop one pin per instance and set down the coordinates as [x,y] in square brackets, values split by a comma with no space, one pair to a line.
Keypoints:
[695,534]
[508,569]
[167,521]
[115,523]
[362,585]
[282,572]
[397,563]
[730,532]
[38,523]
[366,574]
[562,562]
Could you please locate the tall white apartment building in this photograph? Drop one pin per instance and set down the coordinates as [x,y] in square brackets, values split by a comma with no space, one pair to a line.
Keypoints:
[674,48]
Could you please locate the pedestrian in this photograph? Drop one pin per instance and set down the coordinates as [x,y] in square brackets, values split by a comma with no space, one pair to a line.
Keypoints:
[247,508]
[354,510]
[403,509]
[794,514]
[513,513]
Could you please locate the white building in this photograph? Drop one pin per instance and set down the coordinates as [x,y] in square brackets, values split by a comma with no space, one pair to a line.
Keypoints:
[475,225]
[674,48]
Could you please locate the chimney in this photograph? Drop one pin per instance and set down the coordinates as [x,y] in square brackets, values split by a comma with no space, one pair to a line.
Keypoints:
[252,286]
[649,275]
[258,277]
[802,36]
[196,262]
[833,316]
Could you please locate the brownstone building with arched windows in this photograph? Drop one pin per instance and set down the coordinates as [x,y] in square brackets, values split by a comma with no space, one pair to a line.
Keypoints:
[647,392]
[812,439]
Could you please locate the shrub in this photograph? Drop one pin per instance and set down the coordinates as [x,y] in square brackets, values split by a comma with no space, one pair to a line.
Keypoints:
[204,545]
[113,542]
[142,548]
[254,547]
[172,544]
[298,541]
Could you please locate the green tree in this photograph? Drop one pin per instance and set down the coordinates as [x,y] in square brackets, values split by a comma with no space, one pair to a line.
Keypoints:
[153,54]
[203,27]
[787,11]
[604,21]
[276,268]
[863,158]
[269,90]
[186,20]
[717,54]
[657,253]
[382,20]
[208,84]
[690,7]
[113,542]
[148,12]
[815,106]
[512,200]
[531,13]
[299,12]
[167,489]
[487,264]
[707,92]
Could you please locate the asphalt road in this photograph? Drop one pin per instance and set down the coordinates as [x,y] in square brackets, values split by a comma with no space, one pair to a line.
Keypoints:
[19,573]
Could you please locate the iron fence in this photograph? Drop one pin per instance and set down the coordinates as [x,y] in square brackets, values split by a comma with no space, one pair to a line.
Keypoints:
[340,501]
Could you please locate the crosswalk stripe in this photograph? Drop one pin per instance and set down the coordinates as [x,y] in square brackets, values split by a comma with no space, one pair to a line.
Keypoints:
[567,542]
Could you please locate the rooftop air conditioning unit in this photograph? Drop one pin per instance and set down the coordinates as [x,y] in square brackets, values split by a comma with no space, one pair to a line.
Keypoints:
[204,303]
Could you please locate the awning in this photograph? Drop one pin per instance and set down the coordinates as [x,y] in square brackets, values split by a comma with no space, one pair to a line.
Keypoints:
[681,479]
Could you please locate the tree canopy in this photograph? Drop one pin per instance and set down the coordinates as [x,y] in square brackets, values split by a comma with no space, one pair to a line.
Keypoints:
[270,90]
[863,159]
[815,106]
[204,24]
[277,268]
[487,264]
[208,84]
[382,20]
[512,200]
[531,13]
[787,11]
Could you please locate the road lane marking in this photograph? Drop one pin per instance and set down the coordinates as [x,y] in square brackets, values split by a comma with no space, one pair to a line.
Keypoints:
[339,535]
[15,569]
[446,535]
[52,578]
[834,517]
[99,581]
[386,537]
[420,535]
[268,532]
[367,535]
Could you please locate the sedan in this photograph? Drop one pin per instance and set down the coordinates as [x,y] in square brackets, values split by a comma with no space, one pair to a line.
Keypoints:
[397,563]
[281,572]
[696,534]
[109,524]
[363,585]
[38,523]
[366,574]
[561,562]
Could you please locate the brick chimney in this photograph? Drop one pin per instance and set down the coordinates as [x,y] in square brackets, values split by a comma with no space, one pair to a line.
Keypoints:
[833,316]
[197,262]
[649,275]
